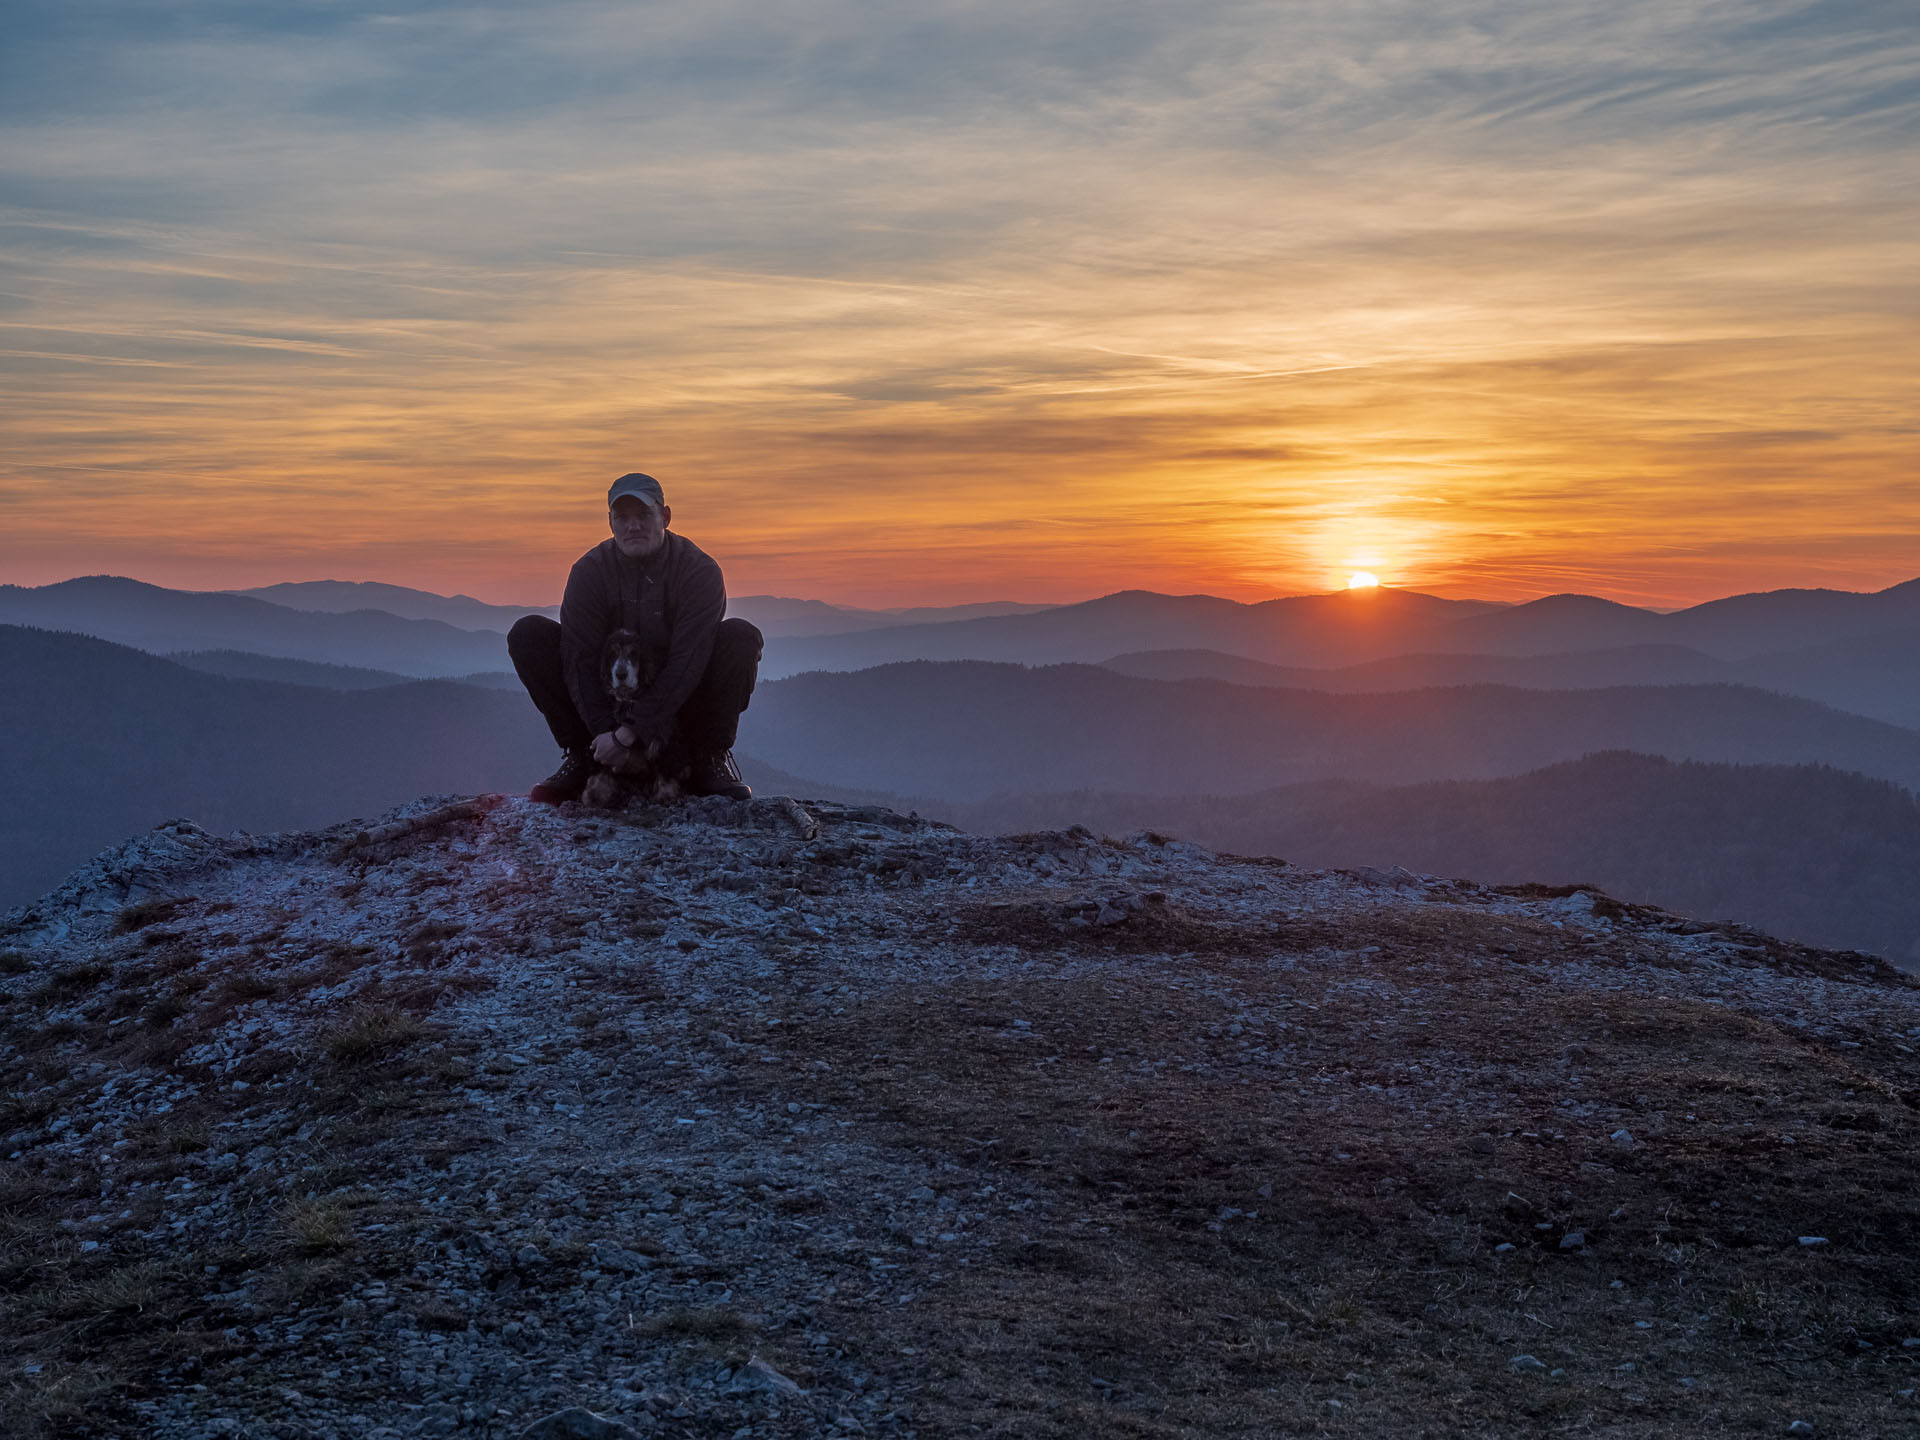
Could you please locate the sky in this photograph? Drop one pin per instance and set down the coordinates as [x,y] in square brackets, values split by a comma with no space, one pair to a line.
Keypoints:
[930,302]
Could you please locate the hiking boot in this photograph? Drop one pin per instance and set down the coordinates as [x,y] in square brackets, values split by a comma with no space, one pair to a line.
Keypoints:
[715,774]
[568,781]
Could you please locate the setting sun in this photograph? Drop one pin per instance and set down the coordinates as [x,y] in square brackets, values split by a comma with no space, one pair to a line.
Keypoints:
[1362,580]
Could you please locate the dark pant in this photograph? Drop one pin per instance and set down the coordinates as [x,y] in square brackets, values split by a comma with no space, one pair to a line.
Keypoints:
[708,721]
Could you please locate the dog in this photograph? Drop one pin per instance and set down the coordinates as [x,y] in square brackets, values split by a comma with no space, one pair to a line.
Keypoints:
[651,774]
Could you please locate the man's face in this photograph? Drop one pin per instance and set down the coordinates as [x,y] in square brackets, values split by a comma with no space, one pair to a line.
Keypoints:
[638,528]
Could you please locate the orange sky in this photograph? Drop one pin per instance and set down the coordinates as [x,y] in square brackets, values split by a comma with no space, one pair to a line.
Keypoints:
[1553,297]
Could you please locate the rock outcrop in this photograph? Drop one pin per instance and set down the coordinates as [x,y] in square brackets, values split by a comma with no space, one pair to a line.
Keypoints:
[758,1119]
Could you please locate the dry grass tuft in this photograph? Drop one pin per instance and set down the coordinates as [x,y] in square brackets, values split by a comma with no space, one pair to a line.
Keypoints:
[188,1138]
[317,1227]
[72,980]
[438,1315]
[243,988]
[372,1036]
[706,1322]
[18,1109]
[60,1400]
[122,1290]
[147,912]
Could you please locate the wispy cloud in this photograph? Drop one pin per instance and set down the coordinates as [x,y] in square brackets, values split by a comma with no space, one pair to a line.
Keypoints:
[938,300]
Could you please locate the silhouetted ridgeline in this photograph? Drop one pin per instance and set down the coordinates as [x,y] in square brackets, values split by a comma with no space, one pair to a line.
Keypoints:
[242,665]
[344,597]
[1299,630]
[781,617]
[1350,627]
[102,741]
[1806,852]
[1872,675]
[968,731]
[1852,651]
[152,618]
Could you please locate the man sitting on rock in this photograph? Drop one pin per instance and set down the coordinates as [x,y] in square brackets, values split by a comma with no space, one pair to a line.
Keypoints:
[698,668]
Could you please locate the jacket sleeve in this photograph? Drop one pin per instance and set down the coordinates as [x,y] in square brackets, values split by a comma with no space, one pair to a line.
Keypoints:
[700,603]
[586,612]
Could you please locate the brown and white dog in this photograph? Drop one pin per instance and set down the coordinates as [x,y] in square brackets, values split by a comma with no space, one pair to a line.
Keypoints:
[651,773]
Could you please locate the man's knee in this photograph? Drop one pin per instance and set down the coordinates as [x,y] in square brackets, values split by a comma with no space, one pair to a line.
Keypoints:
[734,668]
[740,641]
[532,634]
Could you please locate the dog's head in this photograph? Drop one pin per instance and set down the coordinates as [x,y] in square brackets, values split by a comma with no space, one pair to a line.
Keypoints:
[622,666]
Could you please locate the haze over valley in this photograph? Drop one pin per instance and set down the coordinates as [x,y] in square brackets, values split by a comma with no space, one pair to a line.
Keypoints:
[1752,758]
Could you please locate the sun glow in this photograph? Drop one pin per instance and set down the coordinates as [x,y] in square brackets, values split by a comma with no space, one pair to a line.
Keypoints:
[1362,580]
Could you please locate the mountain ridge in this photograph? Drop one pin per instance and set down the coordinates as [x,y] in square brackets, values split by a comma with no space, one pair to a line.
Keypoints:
[1870,675]
[965,730]
[1356,626]
[1343,628]
[158,620]
[341,597]
[102,739]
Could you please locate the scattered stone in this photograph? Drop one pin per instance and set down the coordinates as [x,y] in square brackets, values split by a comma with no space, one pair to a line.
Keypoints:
[1623,1138]
[802,823]
[615,1257]
[758,1376]
[1800,1427]
[1813,1242]
[578,1423]
[1526,1363]
[1573,1240]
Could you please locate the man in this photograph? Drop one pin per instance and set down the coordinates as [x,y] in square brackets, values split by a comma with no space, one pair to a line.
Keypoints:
[669,594]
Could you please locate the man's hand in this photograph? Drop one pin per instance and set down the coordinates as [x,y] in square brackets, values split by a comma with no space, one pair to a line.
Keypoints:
[622,751]
[608,750]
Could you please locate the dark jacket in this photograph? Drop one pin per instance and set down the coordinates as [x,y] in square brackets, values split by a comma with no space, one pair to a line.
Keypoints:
[673,601]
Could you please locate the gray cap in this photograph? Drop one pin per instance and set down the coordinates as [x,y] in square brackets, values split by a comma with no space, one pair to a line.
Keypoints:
[641,487]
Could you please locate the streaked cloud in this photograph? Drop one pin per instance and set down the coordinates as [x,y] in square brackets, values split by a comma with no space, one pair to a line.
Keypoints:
[946,301]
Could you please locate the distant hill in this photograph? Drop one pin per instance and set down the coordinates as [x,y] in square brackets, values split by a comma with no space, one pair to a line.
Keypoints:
[162,621]
[1736,628]
[102,741]
[1877,674]
[1847,649]
[968,731]
[239,665]
[780,617]
[1805,852]
[1873,675]
[1584,670]
[776,615]
[1300,630]
[341,597]
[1356,626]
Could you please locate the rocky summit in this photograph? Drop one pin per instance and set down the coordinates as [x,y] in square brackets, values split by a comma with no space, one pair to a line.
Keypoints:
[767,1119]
